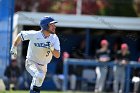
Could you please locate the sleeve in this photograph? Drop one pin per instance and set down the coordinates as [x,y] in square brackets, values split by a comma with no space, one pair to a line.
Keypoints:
[57,44]
[27,35]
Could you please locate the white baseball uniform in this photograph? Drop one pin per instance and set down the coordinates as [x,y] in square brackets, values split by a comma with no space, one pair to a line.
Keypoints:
[39,54]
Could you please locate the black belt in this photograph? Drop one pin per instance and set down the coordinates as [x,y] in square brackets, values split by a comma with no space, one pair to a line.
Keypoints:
[40,64]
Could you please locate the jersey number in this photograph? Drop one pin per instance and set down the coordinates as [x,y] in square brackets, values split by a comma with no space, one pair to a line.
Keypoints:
[48,52]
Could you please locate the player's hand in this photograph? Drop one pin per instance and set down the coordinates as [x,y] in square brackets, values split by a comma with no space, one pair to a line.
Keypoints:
[123,62]
[13,51]
[51,47]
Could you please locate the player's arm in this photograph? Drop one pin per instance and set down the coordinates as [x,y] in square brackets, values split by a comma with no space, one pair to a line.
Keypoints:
[16,42]
[22,36]
[56,53]
[56,48]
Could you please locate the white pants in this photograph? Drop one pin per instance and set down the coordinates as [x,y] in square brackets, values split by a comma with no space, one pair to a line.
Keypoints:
[136,81]
[136,87]
[119,78]
[101,77]
[58,80]
[38,72]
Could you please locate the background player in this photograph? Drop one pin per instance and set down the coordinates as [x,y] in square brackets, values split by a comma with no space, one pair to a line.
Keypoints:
[42,46]
[121,59]
[103,55]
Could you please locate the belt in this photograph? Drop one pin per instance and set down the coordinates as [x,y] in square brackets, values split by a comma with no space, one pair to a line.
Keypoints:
[40,64]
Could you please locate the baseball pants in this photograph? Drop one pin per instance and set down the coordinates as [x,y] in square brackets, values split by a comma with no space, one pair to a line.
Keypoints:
[101,77]
[37,71]
[119,79]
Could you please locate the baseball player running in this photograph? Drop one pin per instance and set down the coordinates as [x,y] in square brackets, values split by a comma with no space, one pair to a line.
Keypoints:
[42,46]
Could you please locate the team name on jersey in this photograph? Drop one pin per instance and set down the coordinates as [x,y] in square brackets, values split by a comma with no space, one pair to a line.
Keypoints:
[44,45]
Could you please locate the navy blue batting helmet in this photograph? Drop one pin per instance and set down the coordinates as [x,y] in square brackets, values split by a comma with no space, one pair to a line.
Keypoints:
[45,21]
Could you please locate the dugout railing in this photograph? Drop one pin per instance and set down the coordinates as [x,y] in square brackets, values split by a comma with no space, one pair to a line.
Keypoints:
[88,62]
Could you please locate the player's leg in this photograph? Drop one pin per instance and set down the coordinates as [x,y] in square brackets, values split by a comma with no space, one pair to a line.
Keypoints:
[30,67]
[116,79]
[6,82]
[72,79]
[104,71]
[35,89]
[57,81]
[37,82]
[19,82]
[136,87]
[38,73]
[122,80]
[98,72]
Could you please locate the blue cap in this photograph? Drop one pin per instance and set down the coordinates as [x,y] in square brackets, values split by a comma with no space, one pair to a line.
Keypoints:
[45,21]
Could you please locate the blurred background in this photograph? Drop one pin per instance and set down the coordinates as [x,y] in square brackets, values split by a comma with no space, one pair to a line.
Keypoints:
[100,44]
